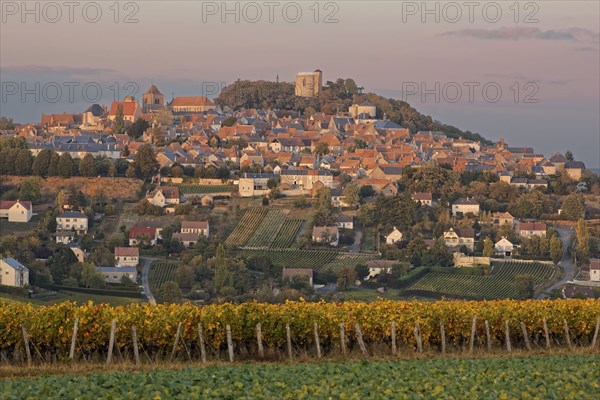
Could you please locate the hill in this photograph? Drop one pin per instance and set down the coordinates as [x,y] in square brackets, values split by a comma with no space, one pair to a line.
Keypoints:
[334,97]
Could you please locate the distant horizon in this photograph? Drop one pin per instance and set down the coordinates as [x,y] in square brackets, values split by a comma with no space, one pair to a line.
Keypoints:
[544,57]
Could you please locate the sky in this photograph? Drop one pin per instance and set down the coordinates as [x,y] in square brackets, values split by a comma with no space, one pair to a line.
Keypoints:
[528,72]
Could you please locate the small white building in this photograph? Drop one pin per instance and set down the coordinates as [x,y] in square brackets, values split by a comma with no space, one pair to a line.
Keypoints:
[164,195]
[595,270]
[115,274]
[504,248]
[465,206]
[345,222]
[199,228]
[395,236]
[72,221]
[16,210]
[127,256]
[13,273]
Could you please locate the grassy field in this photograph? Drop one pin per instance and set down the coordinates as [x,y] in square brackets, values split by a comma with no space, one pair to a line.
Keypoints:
[63,296]
[535,377]
[319,260]
[500,284]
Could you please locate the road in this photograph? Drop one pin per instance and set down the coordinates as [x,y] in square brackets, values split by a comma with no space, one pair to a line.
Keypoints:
[355,247]
[565,263]
[146,261]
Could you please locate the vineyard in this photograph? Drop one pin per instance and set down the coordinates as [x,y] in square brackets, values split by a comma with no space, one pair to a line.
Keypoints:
[161,272]
[500,284]
[319,260]
[206,189]
[97,332]
[264,228]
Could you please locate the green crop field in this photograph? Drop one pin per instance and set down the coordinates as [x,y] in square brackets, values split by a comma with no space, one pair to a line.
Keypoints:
[319,260]
[161,272]
[265,228]
[536,377]
[500,284]
[206,189]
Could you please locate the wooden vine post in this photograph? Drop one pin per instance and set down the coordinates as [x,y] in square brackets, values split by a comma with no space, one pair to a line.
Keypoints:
[567,335]
[229,342]
[507,333]
[487,335]
[288,336]
[418,337]
[176,342]
[111,343]
[202,345]
[317,343]
[546,334]
[342,339]
[525,336]
[136,351]
[472,341]
[261,350]
[74,338]
[443,337]
[26,341]
[359,338]
[394,348]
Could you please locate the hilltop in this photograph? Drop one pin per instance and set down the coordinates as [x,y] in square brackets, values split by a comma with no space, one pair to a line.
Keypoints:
[334,97]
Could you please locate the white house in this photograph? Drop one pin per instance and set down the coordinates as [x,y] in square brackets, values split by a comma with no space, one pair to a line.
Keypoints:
[289,273]
[16,210]
[127,256]
[465,206]
[164,195]
[65,237]
[326,234]
[345,222]
[425,199]
[529,229]
[595,270]
[454,238]
[13,273]
[394,237]
[115,274]
[72,221]
[504,247]
[199,228]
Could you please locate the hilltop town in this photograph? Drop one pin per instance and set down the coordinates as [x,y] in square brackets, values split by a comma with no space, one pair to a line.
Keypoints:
[308,191]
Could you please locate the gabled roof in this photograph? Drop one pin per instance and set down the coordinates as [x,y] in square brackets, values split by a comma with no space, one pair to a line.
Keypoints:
[127,252]
[532,226]
[72,214]
[574,165]
[191,101]
[194,224]
[14,264]
[7,204]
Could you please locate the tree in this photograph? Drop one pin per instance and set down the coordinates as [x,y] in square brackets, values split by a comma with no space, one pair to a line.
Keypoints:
[525,286]
[144,162]
[169,292]
[569,155]
[184,276]
[41,163]
[573,207]
[23,162]
[138,128]
[163,117]
[65,165]
[556,249]
[362,271]
[30,190]
[366,191]
[351,194]
[118,125]
[488,247]
[223,276]
[229,121]
[6,124]
[271,183]
[87,166]
[583,242]
[346,278]
[60,263]
[90,278]
[322,149]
